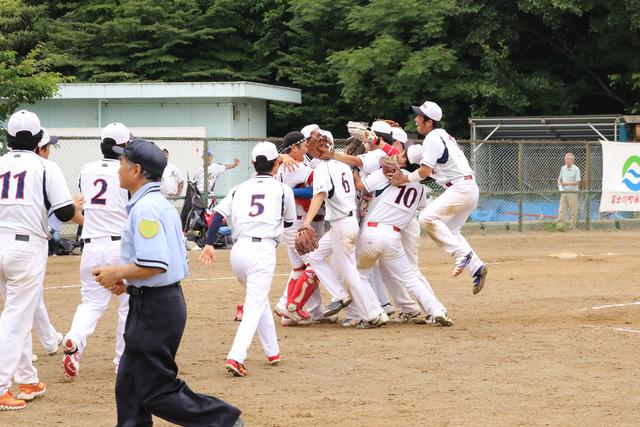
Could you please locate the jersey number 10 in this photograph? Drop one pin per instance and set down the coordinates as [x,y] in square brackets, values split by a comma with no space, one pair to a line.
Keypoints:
[407,197]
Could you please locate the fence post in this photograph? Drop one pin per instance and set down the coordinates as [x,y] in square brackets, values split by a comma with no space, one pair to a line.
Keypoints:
[205,171]
[587,173]
[520,184]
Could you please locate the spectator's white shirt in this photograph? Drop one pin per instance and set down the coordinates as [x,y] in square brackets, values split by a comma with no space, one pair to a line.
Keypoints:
[171,178]
[571,174]
[215,169]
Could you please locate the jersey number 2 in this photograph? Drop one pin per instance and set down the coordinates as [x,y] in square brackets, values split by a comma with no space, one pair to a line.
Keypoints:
[255,202]
[6,183]
[98,199]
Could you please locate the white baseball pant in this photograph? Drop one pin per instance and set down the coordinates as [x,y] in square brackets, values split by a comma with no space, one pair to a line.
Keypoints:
[253,263]
[47,334]
[95,298]
[411,242]
[443,218]
[340,243]
[22,267]
[383,244]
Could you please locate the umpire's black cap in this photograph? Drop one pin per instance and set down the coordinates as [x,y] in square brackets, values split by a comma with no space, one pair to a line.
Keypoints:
[291,139]
[146,154]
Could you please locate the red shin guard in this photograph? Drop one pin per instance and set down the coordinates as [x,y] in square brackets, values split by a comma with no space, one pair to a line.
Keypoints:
[305,286]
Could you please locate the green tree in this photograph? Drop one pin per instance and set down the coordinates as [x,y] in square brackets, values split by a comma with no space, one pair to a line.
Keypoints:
[25,75]
[161,40]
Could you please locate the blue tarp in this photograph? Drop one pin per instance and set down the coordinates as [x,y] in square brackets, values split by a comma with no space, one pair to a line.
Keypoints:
[502,209]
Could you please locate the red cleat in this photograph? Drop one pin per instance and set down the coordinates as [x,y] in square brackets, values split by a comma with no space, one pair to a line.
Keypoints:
[274,360]
[239,313]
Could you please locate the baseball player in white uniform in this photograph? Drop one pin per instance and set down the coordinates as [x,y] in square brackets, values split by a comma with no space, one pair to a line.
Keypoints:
[30,188]
[105,216]
[172,179]
[333,183]
[381,241]
[301,276]
[443,159]
[49,337]
[259,209]
[214,169]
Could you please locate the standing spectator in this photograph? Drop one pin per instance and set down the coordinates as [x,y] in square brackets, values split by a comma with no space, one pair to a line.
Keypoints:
[214,169]
[172,179]
[568,184]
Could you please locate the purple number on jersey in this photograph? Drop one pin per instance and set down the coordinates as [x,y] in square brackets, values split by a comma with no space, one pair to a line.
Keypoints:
[97,199]
[407,197]
[345,183]
[255,202]
[19,177]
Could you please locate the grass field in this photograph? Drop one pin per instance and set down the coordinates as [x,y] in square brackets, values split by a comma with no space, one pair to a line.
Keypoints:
[553,339]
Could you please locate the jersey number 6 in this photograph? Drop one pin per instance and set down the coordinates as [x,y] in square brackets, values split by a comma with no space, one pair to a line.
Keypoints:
[255,202]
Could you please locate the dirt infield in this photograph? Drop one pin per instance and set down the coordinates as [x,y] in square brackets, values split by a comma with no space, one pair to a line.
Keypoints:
[531,349]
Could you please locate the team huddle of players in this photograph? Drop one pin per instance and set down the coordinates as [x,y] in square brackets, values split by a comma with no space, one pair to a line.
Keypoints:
[370,251]
[362,204]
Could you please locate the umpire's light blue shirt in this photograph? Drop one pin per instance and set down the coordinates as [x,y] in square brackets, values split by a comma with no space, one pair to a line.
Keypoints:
[153,237]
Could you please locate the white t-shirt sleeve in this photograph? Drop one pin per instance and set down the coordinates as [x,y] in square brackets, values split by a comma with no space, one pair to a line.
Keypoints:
[375,181]
[371,160]
[577,174]
[321,179]
[432,149]
[216,169]
[224,207]
[289,205]
[56,187]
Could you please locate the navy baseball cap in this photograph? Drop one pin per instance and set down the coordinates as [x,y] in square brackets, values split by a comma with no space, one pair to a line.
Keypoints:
[146,154]
[291,139]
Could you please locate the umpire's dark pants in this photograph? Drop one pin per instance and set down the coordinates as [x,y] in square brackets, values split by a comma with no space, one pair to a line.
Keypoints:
[147,382]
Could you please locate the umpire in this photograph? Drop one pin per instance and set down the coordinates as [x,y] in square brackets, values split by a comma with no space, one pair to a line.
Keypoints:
[154,262]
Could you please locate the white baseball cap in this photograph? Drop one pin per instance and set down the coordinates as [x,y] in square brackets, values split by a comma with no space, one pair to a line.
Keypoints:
[429,109]
[264,148]
[306,131]
[23,120]
[380,126]
[116,131]
[47,139]
[414,154]
[327,134]
[400,135]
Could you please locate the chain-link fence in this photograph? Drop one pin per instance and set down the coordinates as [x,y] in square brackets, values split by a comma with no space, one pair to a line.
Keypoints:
[517,180]
[519,188]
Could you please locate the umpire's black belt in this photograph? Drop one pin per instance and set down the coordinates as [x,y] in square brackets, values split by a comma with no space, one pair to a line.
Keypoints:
[142,290]
[113,239]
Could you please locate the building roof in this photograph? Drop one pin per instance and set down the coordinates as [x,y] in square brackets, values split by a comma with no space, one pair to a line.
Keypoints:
[147,90]
[546,127]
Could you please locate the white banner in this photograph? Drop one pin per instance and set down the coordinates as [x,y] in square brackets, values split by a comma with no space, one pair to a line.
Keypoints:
[620,177]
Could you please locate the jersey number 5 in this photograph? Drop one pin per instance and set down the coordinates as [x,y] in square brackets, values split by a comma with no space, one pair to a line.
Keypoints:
[98,199]
[6,183]
[255,202]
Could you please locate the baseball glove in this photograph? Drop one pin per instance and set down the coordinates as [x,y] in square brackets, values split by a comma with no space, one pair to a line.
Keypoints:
[390,165]
[357,130]
[320,147]
[306,240]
